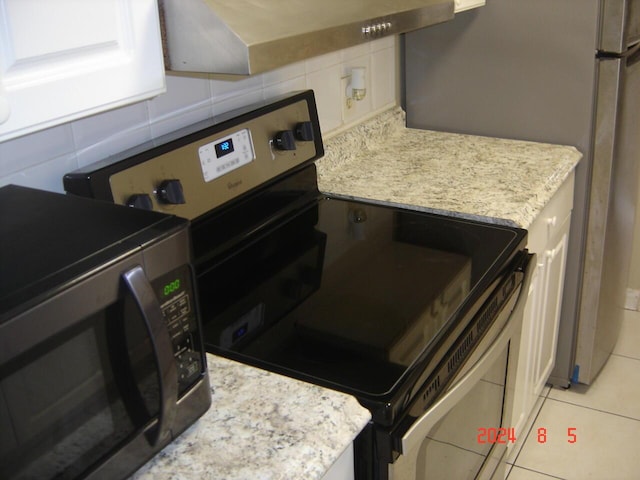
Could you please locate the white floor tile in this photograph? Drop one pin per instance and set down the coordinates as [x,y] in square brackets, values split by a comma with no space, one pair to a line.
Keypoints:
[606,445]
[629,339]
[514,450]
[518,473]
[615,390]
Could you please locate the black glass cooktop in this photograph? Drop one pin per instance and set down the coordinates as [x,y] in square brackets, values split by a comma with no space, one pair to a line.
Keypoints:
[345,294]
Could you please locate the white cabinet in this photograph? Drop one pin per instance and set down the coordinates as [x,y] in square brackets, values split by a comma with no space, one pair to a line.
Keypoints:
[548,236]
[462,5]
[553,268]
[342,469]
[64,59]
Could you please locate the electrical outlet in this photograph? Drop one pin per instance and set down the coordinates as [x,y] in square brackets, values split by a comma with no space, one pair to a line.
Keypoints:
[354,109]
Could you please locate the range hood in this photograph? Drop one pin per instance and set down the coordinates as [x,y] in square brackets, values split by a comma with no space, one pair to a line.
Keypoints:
[244,37]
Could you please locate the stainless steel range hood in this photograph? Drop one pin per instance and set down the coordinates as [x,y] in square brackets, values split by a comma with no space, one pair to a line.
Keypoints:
[244,37]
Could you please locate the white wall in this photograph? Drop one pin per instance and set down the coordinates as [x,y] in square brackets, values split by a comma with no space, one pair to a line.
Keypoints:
[41,159]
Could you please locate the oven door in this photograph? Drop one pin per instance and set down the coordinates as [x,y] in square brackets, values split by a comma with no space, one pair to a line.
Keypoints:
[465,434]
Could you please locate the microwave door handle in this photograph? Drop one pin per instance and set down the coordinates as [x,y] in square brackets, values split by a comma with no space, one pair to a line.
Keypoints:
[420,429]
[147,302]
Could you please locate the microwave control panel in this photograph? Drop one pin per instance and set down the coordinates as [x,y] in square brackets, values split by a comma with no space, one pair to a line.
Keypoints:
[175,294]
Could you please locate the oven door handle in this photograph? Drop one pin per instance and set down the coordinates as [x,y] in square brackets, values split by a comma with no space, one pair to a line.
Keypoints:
[419,430]
[150,309]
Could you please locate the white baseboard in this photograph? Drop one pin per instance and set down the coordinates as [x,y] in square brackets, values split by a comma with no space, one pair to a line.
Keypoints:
[633,300]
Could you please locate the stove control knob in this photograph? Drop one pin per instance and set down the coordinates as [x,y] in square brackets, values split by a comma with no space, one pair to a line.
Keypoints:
[140,200]
[304,131]
[170,191]
[285,140]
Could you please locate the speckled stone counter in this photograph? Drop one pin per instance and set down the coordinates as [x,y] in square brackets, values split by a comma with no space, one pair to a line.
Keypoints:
[260,426]
[490,179]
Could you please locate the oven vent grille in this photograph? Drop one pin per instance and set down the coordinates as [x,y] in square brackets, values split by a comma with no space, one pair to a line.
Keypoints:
[434,387]
[487,316]
[483,323]
[461,352]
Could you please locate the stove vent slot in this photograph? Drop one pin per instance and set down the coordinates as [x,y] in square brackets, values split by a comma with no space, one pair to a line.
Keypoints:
[460,354]
[488,315]
[432,390]
[435,386]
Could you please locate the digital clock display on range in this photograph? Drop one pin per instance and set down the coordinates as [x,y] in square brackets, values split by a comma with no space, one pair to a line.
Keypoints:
[226,154]
[224,148]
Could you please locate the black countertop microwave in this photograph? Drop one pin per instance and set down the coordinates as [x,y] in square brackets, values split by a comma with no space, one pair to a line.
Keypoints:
[101,355]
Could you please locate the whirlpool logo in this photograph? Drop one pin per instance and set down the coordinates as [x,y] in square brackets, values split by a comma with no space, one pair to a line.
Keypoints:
[232,185]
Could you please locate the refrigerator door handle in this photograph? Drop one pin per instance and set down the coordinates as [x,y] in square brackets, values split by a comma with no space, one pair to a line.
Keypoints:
[633,55]
[630,52]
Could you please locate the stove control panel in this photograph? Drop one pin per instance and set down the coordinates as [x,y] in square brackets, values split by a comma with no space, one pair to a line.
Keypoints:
[285,140]
[208,165]
[223,156]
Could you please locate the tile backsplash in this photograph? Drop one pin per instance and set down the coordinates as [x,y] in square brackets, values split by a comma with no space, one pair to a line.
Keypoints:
[40,159]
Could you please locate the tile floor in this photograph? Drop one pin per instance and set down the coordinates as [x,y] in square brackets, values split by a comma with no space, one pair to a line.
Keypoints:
[605,416]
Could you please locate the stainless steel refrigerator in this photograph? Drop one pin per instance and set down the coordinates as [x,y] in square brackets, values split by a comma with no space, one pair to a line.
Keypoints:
[558,71]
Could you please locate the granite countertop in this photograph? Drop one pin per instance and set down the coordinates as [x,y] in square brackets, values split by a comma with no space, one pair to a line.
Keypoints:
[261,425]
[483,178]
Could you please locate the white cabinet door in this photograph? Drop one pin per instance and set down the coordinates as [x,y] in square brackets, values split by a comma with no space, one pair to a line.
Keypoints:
[547,237]
[64,59]
[555,259]
[525,395]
